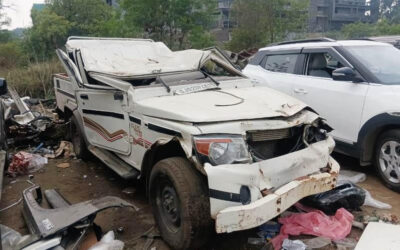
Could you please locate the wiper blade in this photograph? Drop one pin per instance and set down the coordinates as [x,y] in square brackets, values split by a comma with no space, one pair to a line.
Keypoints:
[164,83]
[211,78]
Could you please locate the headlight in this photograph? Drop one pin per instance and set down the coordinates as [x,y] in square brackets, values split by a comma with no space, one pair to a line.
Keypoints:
[219,150]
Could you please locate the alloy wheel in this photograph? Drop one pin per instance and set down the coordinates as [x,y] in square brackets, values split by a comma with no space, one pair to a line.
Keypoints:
[389,161]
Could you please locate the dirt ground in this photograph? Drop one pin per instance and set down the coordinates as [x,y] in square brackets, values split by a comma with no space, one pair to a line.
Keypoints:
[87,180]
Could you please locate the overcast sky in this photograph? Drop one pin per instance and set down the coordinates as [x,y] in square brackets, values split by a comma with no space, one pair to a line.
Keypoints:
[20,12]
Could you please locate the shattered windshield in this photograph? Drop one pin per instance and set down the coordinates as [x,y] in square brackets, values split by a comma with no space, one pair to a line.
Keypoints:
[382,61]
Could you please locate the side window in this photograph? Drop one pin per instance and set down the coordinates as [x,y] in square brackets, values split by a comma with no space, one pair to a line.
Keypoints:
[322,65]
[281,63]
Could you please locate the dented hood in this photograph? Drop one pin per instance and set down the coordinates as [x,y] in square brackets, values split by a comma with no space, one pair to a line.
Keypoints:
[222,105]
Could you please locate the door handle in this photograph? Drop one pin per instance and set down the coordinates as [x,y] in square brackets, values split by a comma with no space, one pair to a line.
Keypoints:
[84,97]
[300,91]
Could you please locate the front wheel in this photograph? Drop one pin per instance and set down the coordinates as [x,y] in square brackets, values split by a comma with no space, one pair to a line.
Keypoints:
[387,159]
[180,203]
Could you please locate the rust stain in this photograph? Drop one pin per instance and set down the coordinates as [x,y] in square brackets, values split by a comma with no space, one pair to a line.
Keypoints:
[302,178]
[265,192]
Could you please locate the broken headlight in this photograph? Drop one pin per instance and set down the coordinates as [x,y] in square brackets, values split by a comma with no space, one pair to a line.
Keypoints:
[219,150]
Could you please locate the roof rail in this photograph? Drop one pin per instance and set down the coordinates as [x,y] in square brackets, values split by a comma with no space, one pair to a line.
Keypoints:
[311,40]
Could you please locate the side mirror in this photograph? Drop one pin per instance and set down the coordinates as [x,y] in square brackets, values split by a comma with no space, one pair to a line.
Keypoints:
[3,86]
[346,74]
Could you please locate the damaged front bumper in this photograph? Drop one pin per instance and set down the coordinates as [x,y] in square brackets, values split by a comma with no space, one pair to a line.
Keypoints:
[272,186]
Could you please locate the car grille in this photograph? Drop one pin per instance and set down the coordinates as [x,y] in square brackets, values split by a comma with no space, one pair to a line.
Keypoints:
[267,144]
[269,135]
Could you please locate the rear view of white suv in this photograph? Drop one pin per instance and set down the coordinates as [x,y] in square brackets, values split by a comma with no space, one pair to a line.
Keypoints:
[355,85]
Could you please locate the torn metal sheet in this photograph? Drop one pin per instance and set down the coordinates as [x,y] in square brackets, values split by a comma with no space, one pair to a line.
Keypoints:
[45,222]
[26,114]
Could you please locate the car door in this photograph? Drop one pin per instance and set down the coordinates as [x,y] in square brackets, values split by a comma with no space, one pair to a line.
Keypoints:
[105,118]
[277,70]
[340,102]
[103,109]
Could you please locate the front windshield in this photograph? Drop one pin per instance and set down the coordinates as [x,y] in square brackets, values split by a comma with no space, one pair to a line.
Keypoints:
[382,61]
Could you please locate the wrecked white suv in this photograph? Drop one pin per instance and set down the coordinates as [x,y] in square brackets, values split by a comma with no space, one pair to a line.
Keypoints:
[212,147]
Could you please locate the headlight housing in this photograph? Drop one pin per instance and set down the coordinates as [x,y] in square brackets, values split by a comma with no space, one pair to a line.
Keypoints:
[219,150]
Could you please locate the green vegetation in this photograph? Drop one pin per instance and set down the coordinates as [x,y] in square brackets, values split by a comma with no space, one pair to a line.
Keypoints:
[28,60]
[263,22]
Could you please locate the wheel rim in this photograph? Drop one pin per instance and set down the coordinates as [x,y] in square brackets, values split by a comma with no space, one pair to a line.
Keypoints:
[168,205]
[389,161]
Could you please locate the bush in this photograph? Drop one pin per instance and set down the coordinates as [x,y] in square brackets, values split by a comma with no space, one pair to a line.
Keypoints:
[34,80]
[11,55]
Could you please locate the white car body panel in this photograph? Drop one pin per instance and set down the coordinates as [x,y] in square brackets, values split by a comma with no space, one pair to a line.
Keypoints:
[320,93]
[213,106]
[134,120]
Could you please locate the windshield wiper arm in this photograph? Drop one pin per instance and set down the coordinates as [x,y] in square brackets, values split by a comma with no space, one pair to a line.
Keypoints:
[164,83]
[211,78]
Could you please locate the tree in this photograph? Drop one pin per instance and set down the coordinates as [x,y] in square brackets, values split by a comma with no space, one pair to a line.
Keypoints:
[49,31]
[170,21]
[363,30]
[3,18]
[86,17]
[261,22]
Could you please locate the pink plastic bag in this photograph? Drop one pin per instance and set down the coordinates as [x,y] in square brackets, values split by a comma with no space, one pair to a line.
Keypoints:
[316,223]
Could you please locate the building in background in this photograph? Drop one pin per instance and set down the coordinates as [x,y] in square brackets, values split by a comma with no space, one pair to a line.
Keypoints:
[112,2]
[325,15]
[224,10]
[38,6]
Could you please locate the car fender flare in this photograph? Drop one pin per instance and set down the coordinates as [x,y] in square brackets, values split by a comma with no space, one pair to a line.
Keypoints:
[370,131]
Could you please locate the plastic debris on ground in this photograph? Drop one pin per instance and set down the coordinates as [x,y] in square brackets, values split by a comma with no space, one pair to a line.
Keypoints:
[65,149]
[346,176]
[269,230]
[9,238]
[256,241]
[348,196]
[24,163]
[370,201]
[345,244]
[317,242]
[293,245]
[108,242]
[315,223]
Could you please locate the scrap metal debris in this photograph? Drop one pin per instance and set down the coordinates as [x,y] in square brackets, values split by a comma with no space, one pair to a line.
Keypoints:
[64,225]
[30,121]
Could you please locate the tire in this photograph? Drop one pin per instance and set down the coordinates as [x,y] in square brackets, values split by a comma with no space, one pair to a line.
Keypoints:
[78,141]
[180,203]
[387,159]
